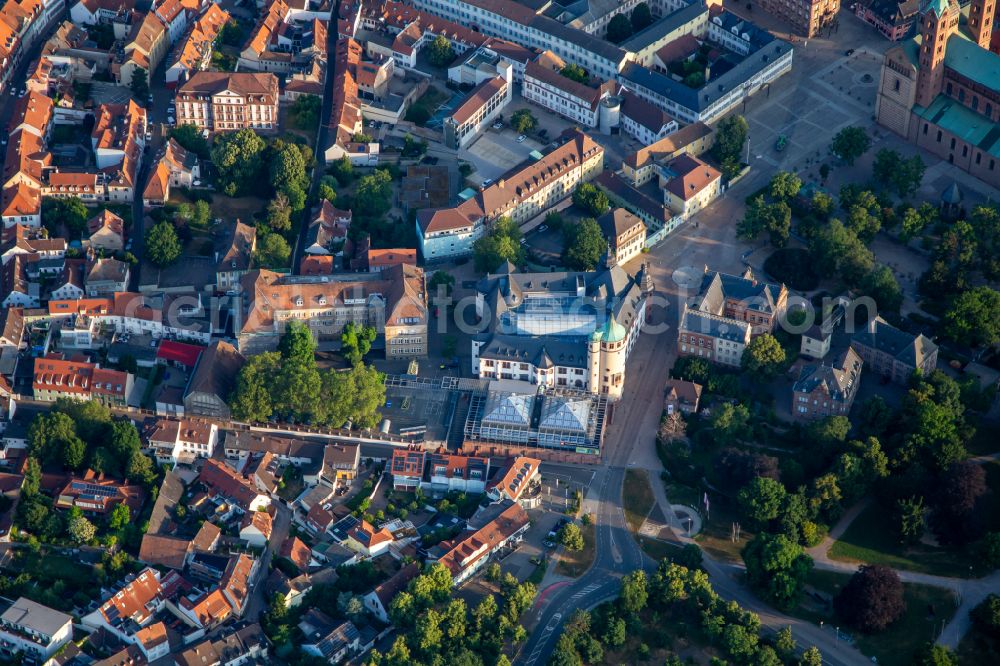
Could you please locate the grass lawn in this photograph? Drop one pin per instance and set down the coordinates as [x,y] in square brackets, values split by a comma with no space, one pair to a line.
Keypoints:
[715,537]
[657,549]
[538,574]
[575,563]
[896,645]
[871,539]
[637,498]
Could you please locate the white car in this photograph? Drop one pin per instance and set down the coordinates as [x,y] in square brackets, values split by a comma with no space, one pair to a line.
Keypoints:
[498,125]
[521,138]
[170,120]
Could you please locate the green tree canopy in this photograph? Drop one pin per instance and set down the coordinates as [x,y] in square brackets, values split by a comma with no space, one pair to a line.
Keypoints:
[591,200]
[342,170]
[251,400]
[523,121]
[373,196]
[619,29]
[899,174]
[881,285]
[304,112]
[238,161]
[838,251]
[777,567]
[641,17]
[729,422]
[288,173]
[850,143]
[80,529]
[584,245]
[730,138]
[140,84]
[571,537]
[634,593]
[761,500]
[974,318]
[439,51]
[279,213]
[575,73]
[190,138]
[764,356]
[785,185]
[501,243]
[163,247]
[70,214]
[273,251]
[356,341]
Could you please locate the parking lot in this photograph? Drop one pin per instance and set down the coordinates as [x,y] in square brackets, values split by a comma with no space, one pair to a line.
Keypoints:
[496,152]
[416,407]
[109,93]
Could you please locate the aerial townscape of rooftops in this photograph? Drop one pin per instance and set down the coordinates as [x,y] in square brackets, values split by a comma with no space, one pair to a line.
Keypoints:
[493,332]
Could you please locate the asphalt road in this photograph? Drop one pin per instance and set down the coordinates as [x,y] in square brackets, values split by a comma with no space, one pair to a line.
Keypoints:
[616,554]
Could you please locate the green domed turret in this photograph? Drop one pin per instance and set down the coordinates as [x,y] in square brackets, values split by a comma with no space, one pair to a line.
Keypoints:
[613,331]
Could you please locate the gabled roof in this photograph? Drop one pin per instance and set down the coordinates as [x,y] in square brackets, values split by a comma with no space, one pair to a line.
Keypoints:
[616,222]
[690,176]
[297,552]
[136,601]
[237,247]
[388,590]
[474,547]
[913,350]
[261,520]
[717,288]
[21,200]
[222,479]
[262,84]
[513,479]
[216,370]
[668,145]
[839,381]
[106,220]
[683,391]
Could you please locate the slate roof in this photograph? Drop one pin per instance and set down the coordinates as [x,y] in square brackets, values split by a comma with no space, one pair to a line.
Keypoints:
[907,348]
[839,380]
[718,287]
[704,323]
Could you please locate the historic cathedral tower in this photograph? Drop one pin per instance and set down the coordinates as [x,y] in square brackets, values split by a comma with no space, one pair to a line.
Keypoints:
[981,21]
[938,21]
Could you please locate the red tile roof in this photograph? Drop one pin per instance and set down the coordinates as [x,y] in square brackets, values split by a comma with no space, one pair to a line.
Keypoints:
[179,352]
[223,480]
[298,552]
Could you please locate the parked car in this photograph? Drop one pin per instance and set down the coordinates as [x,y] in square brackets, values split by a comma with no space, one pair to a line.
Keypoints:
[849,52]
[497,125]
[542,228]
[521,138]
